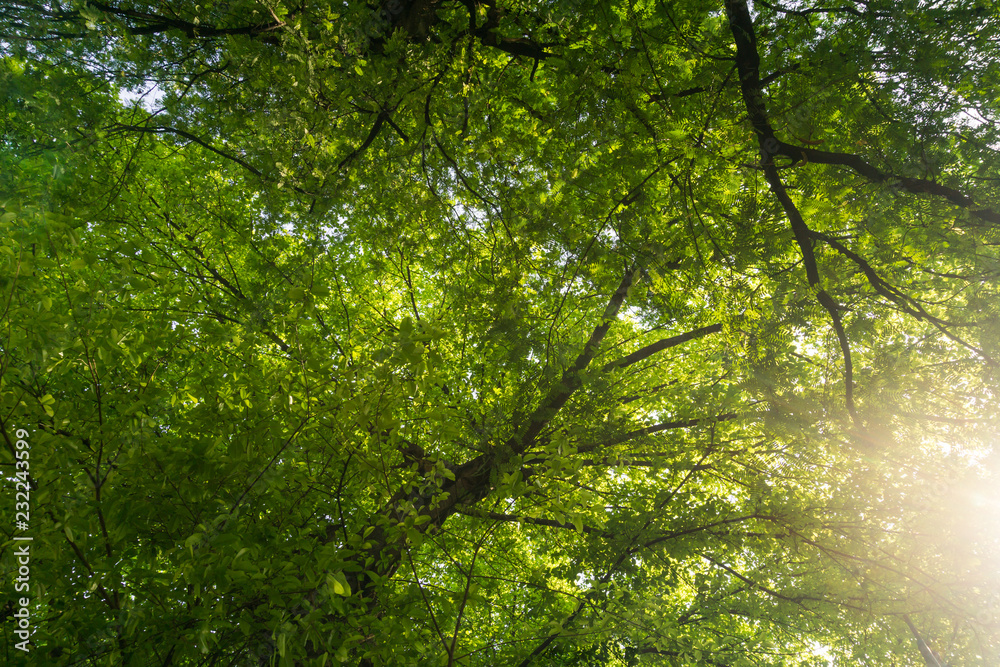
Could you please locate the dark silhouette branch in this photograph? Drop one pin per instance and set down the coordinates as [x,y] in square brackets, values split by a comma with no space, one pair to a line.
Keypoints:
[930,656]
[917,186]
[571,379]
[163,129]
[661,345]
[156,23]
[748,65]
[656,428]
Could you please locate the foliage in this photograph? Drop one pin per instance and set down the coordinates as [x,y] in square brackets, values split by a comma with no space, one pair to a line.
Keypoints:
[460,333]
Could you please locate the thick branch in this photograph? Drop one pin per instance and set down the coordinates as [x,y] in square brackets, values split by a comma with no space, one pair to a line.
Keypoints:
[376,128]
[156,23]
[571,380]
[748,65]
[858,164]
[661,345]
[514,46]
[469,482]
[930,657]
[655,428]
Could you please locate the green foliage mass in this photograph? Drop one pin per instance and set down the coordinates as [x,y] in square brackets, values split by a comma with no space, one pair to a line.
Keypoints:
[447,332]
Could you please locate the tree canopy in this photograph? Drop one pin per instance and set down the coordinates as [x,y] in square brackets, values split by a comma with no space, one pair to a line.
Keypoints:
[460,332]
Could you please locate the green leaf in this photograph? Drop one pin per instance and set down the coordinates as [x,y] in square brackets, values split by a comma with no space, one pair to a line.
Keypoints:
[338,584]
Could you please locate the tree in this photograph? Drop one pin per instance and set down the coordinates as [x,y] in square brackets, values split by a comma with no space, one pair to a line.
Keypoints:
[503,333]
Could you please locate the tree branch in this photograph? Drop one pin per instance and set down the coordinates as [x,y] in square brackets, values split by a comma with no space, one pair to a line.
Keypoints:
[930,657]
[550,523]
[162,129]
[908,304]
[748,65]
[655,428]
[157,23]
[875,175]
[571,380]
[661,345]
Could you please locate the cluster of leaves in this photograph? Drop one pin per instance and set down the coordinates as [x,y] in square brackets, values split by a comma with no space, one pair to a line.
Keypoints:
[461,333]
